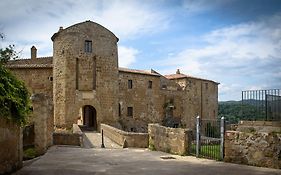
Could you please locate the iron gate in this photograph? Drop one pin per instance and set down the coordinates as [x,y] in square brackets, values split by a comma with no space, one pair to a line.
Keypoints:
[208,142]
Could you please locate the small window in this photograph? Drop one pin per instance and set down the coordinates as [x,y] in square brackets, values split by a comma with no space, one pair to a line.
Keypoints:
[206,84]
[50,78]
[130,84]
[88,46]
[149,84]
[119,112]
[130,111]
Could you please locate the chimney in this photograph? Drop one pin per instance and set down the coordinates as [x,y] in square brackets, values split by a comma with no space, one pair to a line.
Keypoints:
[33,52]
[178,71]
[61,28]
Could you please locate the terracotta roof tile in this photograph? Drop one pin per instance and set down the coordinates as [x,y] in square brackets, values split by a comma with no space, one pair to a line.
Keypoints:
[179,76]
[41,62]
[146,72]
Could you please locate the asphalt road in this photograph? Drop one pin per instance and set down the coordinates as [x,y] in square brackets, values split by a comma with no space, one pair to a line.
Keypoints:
[63,160]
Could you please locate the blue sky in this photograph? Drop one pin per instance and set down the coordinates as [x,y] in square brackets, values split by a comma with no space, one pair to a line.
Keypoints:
[234,42]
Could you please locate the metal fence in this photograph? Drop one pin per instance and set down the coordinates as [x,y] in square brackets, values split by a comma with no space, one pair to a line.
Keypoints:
[209,139]
[261,105]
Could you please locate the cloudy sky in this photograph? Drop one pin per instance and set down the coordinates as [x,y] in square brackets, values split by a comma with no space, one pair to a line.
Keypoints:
[234,42]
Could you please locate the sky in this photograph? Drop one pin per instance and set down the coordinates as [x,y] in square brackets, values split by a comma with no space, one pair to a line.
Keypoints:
[234,42]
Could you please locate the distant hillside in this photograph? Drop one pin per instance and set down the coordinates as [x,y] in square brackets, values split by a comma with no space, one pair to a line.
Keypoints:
[232,110]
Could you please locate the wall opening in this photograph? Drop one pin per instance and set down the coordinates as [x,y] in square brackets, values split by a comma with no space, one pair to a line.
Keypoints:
[90,117]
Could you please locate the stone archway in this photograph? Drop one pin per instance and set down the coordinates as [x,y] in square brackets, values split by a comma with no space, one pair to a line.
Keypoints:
[90,117]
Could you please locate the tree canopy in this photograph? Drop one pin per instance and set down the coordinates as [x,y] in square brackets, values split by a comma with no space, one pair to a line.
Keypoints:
[14,96]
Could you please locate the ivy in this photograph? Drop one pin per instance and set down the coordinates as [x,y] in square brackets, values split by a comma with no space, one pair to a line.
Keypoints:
[14,97]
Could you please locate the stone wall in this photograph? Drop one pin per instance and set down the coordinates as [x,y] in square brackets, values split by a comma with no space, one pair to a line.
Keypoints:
[146,102]
[43,122]
[253,148]
[10,146]
[74,137]
[85,78]
[200,97]
[125,139]
[171,140]
[259,126]
[37,80]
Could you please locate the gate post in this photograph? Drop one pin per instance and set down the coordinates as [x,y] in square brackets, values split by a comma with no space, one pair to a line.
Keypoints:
[222,138]
[197,136]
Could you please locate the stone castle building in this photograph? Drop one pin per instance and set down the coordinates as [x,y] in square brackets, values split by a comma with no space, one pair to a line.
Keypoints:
[87,85]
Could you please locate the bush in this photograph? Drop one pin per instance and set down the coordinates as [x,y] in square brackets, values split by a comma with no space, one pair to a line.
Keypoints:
[29,153]
[14,97]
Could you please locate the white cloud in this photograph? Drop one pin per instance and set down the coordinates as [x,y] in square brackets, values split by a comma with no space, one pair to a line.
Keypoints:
[127,56]
[34,22]
[247,54]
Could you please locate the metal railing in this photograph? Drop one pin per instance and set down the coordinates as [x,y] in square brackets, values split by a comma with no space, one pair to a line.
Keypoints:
[261,105]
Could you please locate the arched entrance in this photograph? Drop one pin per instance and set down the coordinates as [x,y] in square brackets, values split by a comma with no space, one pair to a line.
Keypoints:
[90,117]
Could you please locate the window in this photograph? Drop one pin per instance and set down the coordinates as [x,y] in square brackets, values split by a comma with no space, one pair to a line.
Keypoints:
[149,84]
[88,46]
[119,112]
[50,78]
[206,84]
[130,84]
[130,111]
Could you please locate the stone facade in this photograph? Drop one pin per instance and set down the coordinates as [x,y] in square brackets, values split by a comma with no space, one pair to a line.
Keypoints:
[253,148]
[10,146]
[171,140]
[87,85]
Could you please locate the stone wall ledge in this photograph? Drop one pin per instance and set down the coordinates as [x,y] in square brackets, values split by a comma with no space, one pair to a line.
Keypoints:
[171,140]
[69,138]
[125,139]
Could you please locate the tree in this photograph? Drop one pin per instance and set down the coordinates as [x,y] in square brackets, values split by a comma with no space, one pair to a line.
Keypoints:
[14,96]
[7,54]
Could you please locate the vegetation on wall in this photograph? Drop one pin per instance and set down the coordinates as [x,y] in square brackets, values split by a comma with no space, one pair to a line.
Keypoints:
[14,96]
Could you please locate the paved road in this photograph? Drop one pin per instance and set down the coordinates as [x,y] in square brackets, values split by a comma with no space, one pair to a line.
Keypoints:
[62,160]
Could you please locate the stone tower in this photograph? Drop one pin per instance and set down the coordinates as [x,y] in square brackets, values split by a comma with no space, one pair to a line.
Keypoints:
[85,72]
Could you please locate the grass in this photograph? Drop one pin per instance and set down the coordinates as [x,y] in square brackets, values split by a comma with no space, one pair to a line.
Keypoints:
[208,151]
[29,153]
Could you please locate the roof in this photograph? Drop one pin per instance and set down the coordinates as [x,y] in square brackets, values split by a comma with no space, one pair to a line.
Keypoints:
[180,76]
[61,30]
[135,71]
[41,62]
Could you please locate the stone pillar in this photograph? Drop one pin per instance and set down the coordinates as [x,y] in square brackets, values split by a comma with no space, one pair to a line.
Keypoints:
[42,113]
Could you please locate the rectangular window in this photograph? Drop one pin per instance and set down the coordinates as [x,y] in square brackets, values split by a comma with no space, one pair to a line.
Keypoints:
[88,46]
[77,73]
[149,84]
[130,84]
[119,111]
[130,111]
[206,84]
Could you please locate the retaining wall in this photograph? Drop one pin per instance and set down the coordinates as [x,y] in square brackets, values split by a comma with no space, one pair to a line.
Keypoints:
[10,146]
[253,148]
[171,140]
[125,139]
[69,138]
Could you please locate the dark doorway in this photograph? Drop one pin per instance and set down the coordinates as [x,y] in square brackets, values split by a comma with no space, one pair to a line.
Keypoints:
[90,117]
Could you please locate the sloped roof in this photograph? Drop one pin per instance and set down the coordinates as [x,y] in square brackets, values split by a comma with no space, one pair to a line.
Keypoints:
[135,71]
[41,62]
[179,76]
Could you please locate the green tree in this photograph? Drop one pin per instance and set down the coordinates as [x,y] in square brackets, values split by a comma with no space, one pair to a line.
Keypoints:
[14,96]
